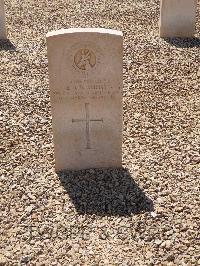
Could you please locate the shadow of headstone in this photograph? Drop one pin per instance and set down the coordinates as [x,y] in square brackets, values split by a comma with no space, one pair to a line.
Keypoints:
[183,42]
[6,45]
[110,192]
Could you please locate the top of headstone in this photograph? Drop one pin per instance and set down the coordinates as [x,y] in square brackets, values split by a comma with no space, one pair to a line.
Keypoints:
[80,30]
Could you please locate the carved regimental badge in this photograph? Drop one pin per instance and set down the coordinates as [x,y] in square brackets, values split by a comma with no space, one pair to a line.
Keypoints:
[85,59]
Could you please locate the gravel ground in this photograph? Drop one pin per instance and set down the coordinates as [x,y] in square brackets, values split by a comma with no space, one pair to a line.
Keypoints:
[145,214]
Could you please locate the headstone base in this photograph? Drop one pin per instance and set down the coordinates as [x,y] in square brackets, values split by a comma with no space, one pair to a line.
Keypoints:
[177,18]
[3,35]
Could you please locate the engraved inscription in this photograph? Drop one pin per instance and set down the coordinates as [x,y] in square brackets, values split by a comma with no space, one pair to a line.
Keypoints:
[85,59]
[87,121]
[87,90]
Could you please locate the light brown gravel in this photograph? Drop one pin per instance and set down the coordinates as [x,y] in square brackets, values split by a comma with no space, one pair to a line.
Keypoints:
[146,214]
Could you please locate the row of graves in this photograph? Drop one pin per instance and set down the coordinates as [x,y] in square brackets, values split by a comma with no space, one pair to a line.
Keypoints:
[177,18]
[86,82]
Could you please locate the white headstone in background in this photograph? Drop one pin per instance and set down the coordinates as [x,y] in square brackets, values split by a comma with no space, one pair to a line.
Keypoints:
[85,70]
[177,18]
[2,21]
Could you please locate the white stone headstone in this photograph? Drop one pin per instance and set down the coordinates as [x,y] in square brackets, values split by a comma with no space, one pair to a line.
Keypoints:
[177,18]
[2,21]
[85,71]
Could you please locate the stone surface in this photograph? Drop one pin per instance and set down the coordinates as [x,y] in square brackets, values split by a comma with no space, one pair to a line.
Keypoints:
[2,21]
[177,18]
[160,147]
[85,69]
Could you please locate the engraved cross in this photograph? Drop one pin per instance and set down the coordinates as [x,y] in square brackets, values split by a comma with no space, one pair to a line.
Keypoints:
[87,121]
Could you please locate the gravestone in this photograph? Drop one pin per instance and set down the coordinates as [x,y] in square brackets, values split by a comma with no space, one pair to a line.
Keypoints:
[85,71]
[2,21]
[177,18]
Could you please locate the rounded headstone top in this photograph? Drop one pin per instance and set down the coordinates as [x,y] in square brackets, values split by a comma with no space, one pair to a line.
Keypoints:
[84,30]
